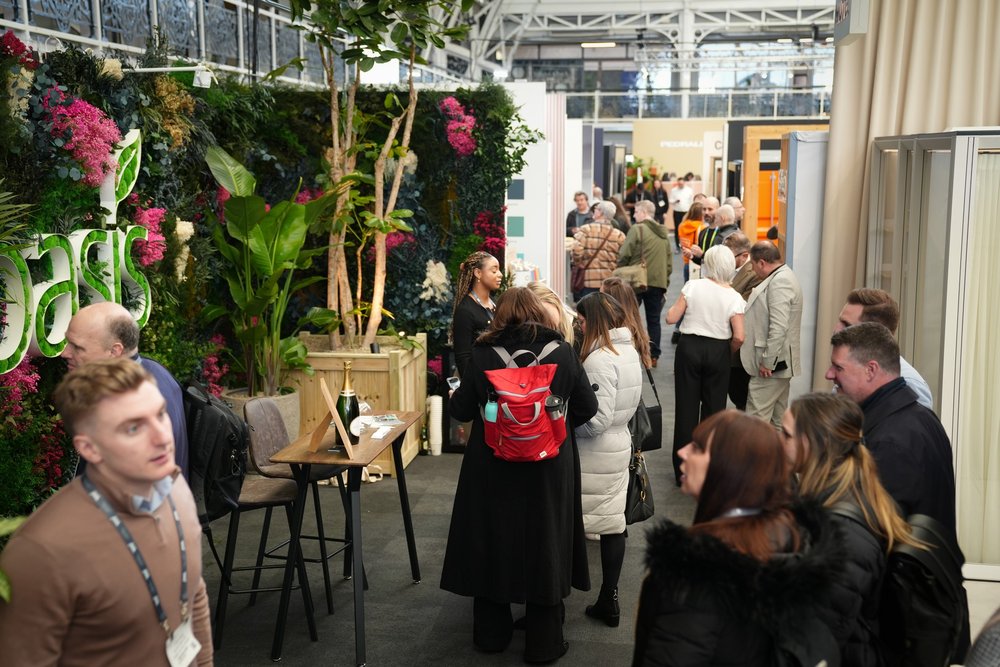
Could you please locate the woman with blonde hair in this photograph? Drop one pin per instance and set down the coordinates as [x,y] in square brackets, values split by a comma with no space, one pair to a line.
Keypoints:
[625,296]
[825,444]
[562,316]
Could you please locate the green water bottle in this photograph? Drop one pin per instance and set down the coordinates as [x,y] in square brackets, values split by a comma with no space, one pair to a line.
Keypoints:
[347,403]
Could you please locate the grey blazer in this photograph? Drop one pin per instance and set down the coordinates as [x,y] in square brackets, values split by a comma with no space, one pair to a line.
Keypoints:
[773,320]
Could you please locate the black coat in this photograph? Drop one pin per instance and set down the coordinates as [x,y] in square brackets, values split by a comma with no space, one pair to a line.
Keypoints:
[854,600]
[517,528]
[471,319]
[704,604]
[912,451]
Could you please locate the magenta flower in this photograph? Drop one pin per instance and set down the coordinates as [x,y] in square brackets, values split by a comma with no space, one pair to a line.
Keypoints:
[152,248]
[459,127]
[12,47]
[14,385]
[89,136]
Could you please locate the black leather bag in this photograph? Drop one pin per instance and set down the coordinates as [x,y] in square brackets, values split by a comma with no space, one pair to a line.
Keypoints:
[646,425]
[639,498]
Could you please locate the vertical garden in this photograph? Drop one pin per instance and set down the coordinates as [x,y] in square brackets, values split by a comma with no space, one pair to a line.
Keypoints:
[62,117]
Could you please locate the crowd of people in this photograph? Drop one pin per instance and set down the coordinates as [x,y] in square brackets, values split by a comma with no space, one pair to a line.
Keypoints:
[772,564]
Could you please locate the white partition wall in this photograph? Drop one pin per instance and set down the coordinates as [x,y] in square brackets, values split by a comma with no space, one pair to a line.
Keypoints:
[530,197]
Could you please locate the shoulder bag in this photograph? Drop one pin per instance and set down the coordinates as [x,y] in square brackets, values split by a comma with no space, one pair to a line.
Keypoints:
[578,274]
[635,275]
[646,425]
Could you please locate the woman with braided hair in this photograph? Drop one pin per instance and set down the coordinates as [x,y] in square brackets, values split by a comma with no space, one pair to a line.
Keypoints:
[824,442]
[478,276]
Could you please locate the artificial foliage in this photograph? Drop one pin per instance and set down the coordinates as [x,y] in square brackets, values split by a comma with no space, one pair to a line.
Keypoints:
[60,114]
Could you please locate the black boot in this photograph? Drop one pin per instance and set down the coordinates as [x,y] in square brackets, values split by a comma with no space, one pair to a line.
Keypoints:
[606,609]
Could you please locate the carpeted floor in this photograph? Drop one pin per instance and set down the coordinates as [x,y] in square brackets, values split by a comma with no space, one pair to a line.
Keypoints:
[419,624]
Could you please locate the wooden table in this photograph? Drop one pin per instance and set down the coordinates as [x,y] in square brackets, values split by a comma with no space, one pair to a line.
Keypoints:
[298,456]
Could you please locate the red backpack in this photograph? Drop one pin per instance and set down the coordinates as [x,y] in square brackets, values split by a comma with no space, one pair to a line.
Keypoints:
[523,420]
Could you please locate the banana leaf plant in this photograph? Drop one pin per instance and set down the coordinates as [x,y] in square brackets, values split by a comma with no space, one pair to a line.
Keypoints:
[264,249]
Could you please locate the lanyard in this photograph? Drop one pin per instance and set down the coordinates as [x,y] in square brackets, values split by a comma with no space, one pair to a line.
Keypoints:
[715,232]
[133,548]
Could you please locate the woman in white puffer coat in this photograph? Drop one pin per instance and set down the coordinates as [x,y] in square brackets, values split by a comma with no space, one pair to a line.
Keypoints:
[615,370]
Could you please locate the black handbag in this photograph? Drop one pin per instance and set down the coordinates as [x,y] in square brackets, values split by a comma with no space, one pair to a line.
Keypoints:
[639,498]
[646,425]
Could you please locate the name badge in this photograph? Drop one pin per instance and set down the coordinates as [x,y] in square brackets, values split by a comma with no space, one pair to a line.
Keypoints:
[182,646]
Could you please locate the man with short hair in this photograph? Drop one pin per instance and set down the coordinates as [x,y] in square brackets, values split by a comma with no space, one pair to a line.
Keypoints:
[681,198]
[744,282]
[906,439]
[737,207]
[636,195]
[109,570]
[722,225]
[107,330]
[597,246]
[867,304]
[773,319]
[580,215]
[649,241]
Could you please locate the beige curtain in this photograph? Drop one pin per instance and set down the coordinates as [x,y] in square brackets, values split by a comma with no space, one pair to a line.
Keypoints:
[978,419]
[924,66]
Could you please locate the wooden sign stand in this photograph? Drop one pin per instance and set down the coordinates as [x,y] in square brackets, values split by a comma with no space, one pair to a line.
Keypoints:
[332,418]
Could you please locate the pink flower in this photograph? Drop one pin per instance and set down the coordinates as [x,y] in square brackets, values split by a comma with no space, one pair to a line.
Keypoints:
[436,366]
[88,134]
[459,127]
[213,373]
[306,195]
[222,195]
[14,385]
[153,247]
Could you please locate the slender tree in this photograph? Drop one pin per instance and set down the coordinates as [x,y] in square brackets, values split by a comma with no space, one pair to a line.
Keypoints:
[363,33]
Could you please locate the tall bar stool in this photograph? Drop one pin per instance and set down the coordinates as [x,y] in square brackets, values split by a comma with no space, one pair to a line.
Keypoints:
[258,493]
[268,435]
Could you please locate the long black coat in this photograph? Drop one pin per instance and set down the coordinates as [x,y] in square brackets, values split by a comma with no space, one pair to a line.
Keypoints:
[705,604]
[517,528]
[912,451]
[471,319]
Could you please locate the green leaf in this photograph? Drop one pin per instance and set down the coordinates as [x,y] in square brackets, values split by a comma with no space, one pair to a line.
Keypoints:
[399,33]
[243,214]
[297,63]
[366,64]
[9,524]
[212,312]
[230,174]
[275,243]
[323,319]
[128,166]
[4,587]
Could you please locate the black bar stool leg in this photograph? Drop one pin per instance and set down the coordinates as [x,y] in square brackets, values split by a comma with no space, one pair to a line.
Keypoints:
[225,582]
[261,550]
[322,547]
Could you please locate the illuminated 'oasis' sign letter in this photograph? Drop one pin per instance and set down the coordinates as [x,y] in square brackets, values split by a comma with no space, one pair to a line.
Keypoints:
[95,264]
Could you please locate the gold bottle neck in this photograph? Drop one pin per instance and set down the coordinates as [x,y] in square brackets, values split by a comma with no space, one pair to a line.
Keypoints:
[348,388]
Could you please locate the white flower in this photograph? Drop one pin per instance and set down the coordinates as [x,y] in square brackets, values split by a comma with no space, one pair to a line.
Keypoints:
[437,284]
[112,67]
[183,231]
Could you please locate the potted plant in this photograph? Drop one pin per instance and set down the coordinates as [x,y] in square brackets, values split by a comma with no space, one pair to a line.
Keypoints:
[376,32]
[263,248]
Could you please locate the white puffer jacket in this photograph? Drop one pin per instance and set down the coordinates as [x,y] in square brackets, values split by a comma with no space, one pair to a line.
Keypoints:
[605,443]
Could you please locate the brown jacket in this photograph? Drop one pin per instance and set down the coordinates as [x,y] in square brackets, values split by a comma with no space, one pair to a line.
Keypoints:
[77,595]
[745,280]
[588,239]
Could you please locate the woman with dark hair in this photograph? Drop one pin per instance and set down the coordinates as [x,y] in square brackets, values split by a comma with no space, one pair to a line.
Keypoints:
[516,531]
[621,217]
[824,442]
[748,579]
[478,277]
[625,295]
[613,366]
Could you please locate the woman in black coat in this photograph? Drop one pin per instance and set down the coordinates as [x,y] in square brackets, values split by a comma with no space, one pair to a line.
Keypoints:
[748,579]
[823,440]
[478,277]
[516,531]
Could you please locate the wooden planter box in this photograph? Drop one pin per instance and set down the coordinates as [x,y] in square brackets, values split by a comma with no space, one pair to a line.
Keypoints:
[393,379]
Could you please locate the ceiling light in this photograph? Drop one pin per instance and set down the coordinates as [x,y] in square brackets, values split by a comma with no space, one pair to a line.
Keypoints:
[784,40]
[829,40]
[805,40]
[598,45]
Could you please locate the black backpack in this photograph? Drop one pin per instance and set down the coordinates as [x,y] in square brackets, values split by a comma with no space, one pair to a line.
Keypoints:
[218,442]
[923,606]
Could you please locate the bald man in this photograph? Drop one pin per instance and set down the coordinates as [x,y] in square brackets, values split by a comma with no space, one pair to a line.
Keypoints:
[107,330]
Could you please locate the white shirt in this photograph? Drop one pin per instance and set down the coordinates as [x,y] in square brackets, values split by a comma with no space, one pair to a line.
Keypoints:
[709,307]
[681,198]
[917,383]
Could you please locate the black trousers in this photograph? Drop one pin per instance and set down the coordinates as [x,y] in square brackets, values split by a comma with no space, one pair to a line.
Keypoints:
[739,386]
[493,627]
[701,378]
[652,301]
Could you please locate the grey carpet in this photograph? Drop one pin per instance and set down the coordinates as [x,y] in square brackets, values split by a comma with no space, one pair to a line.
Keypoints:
[419,624]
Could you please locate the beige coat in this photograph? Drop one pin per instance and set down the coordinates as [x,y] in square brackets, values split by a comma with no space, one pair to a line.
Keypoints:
[772,321]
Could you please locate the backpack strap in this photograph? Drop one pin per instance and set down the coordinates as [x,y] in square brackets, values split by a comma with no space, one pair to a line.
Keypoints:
[508,358]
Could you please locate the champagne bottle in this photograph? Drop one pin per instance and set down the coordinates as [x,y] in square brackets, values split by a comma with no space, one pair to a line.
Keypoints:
[347,403]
